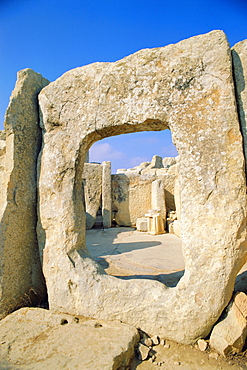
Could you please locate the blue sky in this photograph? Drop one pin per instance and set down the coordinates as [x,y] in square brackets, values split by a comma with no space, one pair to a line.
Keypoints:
[54,36]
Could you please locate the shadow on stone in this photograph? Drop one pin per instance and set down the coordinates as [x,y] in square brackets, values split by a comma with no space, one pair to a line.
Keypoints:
[170,280]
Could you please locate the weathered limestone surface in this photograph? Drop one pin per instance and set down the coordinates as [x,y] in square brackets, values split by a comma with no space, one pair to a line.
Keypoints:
[239,57]
[2,175]
[92,178]
[187,87]
[20,268]
[229,335]
[60,341]
[132,196]
[133,192]
[106,194]
[158,197]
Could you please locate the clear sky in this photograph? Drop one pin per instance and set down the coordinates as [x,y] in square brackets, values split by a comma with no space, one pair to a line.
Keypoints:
[54,36]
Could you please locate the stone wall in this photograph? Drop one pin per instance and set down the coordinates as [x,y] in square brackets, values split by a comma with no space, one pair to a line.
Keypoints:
[132,192]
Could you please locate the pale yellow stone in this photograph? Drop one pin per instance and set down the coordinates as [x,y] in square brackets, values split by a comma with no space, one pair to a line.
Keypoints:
[21,279]
[62,341]
[188,88]
[228,336]
[92,183]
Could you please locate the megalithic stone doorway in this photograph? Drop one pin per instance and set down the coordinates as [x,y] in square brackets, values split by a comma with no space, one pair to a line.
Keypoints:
[188,88]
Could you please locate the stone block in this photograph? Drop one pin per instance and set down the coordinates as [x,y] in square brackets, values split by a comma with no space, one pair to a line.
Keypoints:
[20,269]
[229,334]
[142,224]
[240,300]
[187,87]
[62,341]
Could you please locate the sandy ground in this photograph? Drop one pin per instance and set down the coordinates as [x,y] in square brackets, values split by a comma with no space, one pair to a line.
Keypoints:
[129,254]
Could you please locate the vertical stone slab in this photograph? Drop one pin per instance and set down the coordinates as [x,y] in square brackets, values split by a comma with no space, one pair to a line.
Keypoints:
[158,197]
[21,277]
[106,194]
[2,171]
[239,57]
[92,177]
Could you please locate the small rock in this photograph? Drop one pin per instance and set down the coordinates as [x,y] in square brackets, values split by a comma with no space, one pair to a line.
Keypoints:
[229,334]
[213,355]
[177,363]
[202,345]
[143,352]
[156,340]
[162,342]
[240,300]
[147,342]
[167,346]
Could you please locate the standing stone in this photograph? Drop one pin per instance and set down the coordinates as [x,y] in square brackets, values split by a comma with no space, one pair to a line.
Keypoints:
[187,87]
[156,162]
[92,182]
[239,57]
[2,175]
[177,198]
[106,194]
[20,269]
[158,197]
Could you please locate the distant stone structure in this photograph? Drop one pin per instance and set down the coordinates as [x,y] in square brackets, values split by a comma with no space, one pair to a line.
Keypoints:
[188,88]
[129,194]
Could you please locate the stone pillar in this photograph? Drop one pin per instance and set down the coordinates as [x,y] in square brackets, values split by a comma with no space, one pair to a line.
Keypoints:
[21,278]
[158,197]
[106,194]
[177,198]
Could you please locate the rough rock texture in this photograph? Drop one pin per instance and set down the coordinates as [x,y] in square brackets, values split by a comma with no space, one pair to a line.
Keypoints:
[240,300]
[20,270]
[239,57]
[60,341]
[228,336]
[106,194]
[92,178]
[131,196]
[133,193]
[187,87]
[2,175]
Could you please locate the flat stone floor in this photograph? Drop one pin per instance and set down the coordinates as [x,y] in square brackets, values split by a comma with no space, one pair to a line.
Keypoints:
[128,254]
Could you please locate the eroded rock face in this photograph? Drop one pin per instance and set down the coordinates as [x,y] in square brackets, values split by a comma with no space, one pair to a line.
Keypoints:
[92,178]
[20,269]
[187,87]
[57,341]
[239,57]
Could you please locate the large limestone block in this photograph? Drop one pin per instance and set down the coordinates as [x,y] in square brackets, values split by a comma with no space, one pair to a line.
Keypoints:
[60,341]
[92,182]
[239,57]
[132,196]
[189,88]
[228,336]
[20,270]
[158,198]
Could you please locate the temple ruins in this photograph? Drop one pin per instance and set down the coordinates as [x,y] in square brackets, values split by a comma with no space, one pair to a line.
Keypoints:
[49,194]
